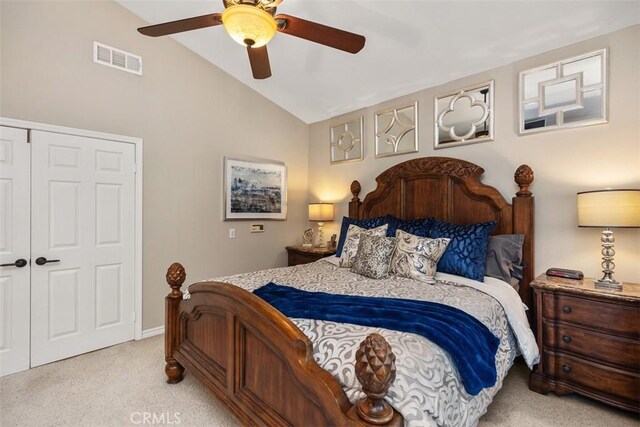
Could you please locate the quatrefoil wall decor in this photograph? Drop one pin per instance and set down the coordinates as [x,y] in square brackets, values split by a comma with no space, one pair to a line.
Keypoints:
[464,116]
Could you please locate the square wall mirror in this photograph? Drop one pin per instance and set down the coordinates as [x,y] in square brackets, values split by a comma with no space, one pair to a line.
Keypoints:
[346,141]
[464,116]
[567,93]
[397,131]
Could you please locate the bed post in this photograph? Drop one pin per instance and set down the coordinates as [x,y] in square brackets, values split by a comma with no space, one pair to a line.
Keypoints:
[375,370]
[355,203]
[175,279]
[523,216]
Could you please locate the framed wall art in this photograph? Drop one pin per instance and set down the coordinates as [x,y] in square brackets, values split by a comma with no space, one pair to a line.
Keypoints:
[564,94]
[254,189]
[397,131]
[346,142]
[464,116]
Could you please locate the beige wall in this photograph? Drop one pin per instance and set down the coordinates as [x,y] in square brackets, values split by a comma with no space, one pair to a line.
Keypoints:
[189,113]
[564,161]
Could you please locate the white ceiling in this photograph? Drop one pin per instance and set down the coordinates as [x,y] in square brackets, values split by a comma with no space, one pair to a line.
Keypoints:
[411,45]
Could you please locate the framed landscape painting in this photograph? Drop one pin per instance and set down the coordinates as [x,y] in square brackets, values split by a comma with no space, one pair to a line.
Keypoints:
[254,189]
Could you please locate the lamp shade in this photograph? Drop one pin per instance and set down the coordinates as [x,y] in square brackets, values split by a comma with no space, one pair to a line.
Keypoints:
[609,208]
[249,23]
[321,212]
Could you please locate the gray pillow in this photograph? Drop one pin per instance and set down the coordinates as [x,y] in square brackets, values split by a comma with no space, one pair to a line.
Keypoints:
[374,256]
[504,257]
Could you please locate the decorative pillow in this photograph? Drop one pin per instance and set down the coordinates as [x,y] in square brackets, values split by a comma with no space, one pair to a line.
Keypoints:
[362,223]
[417,257]
[504,257]
[374,255]
[417,227]
[467,250]
[351,242]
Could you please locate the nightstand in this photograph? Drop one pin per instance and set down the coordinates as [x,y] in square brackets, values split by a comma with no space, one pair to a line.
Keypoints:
[304,254]
[589,340]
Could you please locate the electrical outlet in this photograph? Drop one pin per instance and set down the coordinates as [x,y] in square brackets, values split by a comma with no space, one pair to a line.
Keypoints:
[232,233]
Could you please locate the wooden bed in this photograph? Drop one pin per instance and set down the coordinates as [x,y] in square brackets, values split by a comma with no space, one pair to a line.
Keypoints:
[261,366]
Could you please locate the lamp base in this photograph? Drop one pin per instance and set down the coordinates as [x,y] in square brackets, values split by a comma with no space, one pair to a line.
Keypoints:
[606,283]
[321,242]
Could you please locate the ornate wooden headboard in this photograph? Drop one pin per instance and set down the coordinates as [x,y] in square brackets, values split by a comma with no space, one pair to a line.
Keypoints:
[450,189]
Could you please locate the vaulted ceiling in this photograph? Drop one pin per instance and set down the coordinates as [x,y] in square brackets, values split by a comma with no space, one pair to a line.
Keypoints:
[411,45]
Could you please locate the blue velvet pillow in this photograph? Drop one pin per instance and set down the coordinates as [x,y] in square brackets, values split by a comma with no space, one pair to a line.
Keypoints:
[467,250]
[364,223]
[417,227]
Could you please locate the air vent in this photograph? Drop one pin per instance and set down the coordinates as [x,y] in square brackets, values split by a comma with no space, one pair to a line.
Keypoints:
[116,58]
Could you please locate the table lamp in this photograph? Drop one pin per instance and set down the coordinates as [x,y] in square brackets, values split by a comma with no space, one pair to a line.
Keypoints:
[321,212]
[606,209]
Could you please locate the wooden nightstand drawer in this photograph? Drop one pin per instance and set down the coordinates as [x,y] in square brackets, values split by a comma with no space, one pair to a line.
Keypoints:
[617,318]
[612,350]
[302,258]
[304,255]
[594,376]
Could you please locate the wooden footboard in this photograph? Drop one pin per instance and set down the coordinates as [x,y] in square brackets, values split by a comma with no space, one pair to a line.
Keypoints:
[261,366]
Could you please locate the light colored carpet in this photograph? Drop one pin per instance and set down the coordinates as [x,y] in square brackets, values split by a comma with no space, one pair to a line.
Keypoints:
[122,385]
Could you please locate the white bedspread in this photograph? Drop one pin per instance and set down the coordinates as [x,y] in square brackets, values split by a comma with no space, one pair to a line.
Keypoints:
[427,390]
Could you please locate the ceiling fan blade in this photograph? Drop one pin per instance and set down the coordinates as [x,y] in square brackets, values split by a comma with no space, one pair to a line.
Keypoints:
[318,33]
[182,25]
[259,59]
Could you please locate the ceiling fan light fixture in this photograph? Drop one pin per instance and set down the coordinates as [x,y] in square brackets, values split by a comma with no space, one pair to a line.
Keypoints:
[249,23]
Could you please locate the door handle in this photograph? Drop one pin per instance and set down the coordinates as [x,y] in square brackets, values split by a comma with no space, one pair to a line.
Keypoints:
[42,260]
[19,263]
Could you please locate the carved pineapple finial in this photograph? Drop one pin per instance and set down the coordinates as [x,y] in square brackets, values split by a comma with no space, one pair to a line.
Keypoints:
[355,190]
[175,277]
[524,178]
[376,370]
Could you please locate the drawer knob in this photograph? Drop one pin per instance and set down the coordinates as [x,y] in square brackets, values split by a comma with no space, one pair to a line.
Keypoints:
[566,309]
[566,368]
[566,338]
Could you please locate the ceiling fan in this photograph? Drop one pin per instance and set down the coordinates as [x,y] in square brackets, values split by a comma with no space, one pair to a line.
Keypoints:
[252,23]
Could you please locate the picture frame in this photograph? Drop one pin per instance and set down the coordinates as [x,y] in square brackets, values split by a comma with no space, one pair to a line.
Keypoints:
[396,131]
[254,189]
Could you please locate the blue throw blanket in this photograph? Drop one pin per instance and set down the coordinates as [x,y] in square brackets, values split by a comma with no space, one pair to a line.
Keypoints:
[470,344]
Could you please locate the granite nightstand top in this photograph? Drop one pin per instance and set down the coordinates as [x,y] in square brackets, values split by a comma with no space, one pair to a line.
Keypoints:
[586,286]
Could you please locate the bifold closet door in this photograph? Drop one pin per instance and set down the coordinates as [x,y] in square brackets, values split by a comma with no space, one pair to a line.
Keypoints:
[14,250]
[82,245]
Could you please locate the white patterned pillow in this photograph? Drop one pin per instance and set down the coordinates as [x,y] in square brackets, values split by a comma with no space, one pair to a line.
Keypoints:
[416,257]
[350,248]
[374,256]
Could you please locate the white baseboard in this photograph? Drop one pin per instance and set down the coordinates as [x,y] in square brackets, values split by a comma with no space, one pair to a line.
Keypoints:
[148,333]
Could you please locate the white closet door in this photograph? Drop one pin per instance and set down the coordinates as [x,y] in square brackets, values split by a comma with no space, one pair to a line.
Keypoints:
[83,206]
[14,249]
